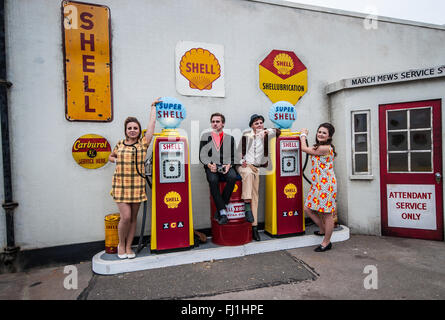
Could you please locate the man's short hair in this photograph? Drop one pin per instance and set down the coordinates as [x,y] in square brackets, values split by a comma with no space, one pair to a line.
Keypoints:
[217,114]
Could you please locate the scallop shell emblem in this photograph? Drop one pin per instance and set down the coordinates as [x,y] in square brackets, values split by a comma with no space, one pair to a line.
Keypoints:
[172,199]
[283,63]
[290,190]
[200,67]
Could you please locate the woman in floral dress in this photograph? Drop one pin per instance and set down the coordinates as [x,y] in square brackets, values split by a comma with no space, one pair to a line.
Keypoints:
[320,203]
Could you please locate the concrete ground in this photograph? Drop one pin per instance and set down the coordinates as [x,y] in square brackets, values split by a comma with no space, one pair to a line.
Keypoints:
[363,267]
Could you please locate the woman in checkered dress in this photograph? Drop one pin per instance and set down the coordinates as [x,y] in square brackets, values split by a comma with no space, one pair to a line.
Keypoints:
[320,203]
[128,187]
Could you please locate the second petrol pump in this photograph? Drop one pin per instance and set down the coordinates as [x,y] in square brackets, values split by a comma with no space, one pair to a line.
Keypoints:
[172,217]
[284,183]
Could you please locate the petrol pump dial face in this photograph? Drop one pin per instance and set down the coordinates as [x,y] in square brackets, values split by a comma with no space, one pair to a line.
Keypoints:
[289,159]
[172,160]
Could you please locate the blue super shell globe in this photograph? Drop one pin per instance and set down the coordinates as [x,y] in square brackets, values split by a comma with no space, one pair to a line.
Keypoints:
[283,114]
[170,112]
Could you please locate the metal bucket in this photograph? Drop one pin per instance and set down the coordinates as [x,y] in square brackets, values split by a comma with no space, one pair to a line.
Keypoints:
[111,234]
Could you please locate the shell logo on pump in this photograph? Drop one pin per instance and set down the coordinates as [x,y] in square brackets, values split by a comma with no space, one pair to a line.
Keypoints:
[200,67]
[290,190]
[172,199]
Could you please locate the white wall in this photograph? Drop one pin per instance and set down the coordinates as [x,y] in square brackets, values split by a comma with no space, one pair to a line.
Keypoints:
[63,203]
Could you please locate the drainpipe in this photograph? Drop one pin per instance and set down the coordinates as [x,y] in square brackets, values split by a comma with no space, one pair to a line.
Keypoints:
[10,253]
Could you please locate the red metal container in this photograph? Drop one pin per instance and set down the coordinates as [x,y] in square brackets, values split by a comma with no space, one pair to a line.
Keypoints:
[237,231]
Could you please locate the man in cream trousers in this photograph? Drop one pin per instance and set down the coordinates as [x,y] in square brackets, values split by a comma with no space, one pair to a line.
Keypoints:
[254,155]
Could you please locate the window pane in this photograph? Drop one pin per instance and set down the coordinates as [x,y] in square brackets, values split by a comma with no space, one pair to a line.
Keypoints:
[397,162]
[420,118]
[360,124]
[421,161]
[420,140]
[361,163]
[397,120]
[361,142]
[397,141]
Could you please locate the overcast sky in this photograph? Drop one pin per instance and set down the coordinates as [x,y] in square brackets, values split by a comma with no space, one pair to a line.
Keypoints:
[430,11]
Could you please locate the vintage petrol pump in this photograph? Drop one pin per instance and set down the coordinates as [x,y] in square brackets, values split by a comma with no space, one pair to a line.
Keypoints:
[284,184]
[171,217]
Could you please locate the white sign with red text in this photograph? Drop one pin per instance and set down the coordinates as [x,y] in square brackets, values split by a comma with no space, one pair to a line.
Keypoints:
[235,210]
[412,206]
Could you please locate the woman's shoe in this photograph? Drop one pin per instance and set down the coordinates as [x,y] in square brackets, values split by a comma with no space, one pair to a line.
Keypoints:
[317,233]
[320,248]
[131,255]
[121,256]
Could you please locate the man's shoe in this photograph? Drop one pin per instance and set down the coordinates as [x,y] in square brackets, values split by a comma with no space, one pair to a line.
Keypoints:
[223,219]
[216,216]
[249,216]
[255,234]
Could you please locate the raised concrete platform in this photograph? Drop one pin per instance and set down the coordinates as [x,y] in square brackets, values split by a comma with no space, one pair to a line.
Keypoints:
[107,264]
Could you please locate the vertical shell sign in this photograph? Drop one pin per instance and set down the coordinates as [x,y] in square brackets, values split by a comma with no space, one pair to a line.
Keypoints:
[87,62]
[91,151]
[283,77]
[200,69]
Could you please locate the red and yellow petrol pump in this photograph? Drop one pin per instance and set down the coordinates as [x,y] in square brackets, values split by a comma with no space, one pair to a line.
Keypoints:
[284,182]
[172,217]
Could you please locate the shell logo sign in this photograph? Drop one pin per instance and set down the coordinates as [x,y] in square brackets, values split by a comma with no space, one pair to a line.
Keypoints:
[172,199]
[200,69]
[283,77]
[91,151]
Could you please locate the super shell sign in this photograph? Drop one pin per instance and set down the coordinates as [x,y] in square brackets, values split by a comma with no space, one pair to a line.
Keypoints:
[282,114]
[200,69]
[170,112]
[283,77]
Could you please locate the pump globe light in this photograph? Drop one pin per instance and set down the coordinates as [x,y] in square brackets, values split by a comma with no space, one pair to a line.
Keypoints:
[283,114]
[170,112]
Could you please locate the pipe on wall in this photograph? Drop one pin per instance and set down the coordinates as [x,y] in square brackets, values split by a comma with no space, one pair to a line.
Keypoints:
[10,253]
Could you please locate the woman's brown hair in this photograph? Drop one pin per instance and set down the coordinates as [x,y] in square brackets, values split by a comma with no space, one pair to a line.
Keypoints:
[331,131]
[132,119]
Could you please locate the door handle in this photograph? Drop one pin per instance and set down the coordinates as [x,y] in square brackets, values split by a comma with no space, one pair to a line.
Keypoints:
[438,177]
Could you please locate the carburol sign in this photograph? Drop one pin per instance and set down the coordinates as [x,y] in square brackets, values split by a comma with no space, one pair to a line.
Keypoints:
[91,151]
[283,77]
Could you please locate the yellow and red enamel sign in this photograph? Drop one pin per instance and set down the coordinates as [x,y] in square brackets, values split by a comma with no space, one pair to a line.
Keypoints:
[91,151]
[283,77]
[200,67]
[86,38]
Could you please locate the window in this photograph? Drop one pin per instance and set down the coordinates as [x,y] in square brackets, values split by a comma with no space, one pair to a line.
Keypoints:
[361,162]
[410,140]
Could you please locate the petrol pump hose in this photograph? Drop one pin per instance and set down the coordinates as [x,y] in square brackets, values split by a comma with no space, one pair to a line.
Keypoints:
[305,164]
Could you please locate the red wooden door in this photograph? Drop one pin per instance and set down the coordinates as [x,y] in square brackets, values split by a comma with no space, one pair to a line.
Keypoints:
[411,170]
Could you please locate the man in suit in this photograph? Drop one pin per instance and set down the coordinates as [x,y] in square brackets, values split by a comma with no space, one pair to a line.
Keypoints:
[217,154]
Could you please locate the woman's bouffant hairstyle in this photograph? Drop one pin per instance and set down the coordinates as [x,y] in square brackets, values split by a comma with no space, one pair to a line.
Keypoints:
[331,131]
[132,119]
